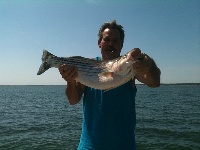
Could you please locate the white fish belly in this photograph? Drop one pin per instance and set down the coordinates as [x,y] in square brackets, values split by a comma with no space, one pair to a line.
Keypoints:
[95,81]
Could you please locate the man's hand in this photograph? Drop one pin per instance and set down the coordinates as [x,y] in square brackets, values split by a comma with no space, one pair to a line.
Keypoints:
[68,73]
[146,70]
[143,61]
[74,89]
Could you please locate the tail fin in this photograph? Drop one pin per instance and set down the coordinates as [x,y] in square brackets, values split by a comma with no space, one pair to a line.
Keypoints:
[45,65]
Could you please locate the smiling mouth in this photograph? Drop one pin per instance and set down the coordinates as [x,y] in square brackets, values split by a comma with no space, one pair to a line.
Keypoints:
[110,51]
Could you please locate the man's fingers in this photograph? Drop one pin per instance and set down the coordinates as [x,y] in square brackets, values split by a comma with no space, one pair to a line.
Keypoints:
[68,73]
[144,64]
[61,68]
[135,52]
[71,73]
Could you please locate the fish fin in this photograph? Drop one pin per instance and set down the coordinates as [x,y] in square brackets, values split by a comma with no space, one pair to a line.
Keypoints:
[44,66]
[76,57]
[46,55]
[80,58]
[106,76]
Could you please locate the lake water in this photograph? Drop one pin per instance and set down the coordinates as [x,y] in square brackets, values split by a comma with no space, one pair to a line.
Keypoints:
[40,117]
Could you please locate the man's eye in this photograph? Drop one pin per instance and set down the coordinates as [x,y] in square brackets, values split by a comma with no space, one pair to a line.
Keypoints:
[106,40]
[115,41]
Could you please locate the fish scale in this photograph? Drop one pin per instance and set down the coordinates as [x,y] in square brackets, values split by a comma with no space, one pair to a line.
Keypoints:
[83,66]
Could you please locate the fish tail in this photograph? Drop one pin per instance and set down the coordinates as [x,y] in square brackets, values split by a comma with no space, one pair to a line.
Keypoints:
[45,65]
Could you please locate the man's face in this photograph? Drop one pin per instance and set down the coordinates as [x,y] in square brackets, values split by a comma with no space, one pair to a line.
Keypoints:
[110,44]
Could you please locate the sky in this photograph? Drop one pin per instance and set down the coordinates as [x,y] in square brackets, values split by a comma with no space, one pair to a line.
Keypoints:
[166,30]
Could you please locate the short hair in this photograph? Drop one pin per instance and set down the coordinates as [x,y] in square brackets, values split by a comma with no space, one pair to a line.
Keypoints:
[112,25]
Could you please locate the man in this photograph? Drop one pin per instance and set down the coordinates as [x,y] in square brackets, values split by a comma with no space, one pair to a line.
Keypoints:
[109,116]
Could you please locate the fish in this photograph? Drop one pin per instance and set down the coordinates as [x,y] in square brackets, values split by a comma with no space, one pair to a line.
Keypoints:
[97,74]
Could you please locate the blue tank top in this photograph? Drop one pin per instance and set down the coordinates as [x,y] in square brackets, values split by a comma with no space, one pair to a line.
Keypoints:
[109,119]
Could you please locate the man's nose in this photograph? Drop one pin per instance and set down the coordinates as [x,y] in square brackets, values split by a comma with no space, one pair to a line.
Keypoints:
[110,43]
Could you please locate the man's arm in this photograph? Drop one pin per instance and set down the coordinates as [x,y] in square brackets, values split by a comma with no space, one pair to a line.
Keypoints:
[150,75]
[74,89]
[74,92]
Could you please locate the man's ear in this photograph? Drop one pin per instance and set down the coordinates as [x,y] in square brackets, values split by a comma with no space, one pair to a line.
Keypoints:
[99,43]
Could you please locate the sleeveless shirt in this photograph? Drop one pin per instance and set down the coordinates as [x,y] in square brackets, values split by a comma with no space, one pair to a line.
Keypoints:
[109,119]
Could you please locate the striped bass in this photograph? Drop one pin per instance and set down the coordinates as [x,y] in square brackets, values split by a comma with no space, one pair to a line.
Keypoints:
[103,75]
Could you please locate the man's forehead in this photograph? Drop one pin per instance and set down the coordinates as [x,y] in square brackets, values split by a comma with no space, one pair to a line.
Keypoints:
[111,32]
